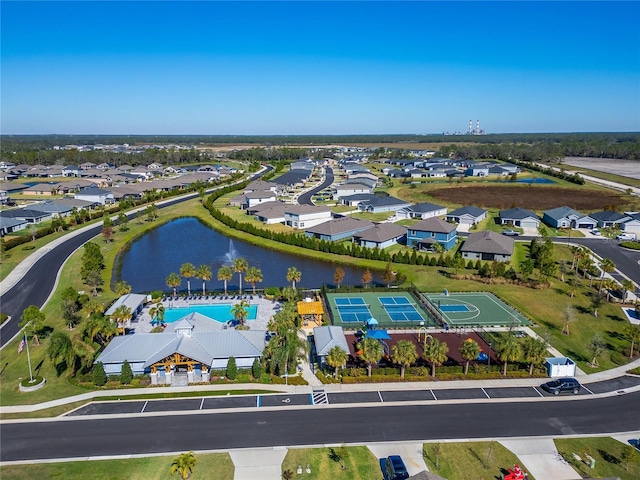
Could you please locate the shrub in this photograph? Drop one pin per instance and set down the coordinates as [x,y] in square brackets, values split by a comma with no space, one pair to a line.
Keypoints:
[3,317]
[156,295]
[99,375]
[631,245]
[126,375]
[256,369]
[232,369]
[28,247]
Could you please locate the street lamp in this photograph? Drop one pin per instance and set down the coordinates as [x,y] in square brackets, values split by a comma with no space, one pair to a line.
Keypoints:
[489,361]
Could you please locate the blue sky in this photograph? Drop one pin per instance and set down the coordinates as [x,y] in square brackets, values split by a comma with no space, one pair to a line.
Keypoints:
[318,67]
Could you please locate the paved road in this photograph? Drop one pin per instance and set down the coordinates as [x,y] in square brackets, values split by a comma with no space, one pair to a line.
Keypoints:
[305,198]
[315,425]
[627,261]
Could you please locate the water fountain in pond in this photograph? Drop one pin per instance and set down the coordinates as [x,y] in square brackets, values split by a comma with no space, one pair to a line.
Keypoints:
[231,255]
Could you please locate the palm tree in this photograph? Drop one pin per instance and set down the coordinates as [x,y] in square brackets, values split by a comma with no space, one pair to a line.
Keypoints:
[534,351]
[99,329]
[628,287]
[508,351]
[203,272]
[632,332]
[184,465]
[121,315]
[293,275]
[122,288]
[287,346]
[607,266]
[94,306]
[240,266]
[436,354]
[225,274]
[609,284]
[240,312]
[370,352]
[469,350]
[336,358]
[253,276]
[157,313]
[404,353]
[188,270]
[173,281]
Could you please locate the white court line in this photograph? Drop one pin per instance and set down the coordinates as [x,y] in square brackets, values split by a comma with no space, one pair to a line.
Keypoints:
[144,406]
[380,395]
[588,390]
[434,395]
[201,403]
[538,391]
[485,392]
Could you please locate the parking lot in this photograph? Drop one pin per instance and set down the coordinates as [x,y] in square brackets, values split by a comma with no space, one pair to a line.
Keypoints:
[123,406]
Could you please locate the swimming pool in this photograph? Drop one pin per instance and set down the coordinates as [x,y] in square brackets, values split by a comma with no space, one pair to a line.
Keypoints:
[221,312]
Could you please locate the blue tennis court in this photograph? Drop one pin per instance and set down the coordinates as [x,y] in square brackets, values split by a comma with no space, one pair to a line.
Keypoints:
[454,308]
[352,309]
[400,309]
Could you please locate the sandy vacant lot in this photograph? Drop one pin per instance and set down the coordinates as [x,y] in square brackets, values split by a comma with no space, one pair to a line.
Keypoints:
[626,168]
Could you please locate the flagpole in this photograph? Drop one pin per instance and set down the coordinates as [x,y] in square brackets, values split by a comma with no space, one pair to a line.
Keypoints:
[26,342]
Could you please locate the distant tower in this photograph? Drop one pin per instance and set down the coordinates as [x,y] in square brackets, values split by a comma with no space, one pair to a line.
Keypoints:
[470,127]
[477,127]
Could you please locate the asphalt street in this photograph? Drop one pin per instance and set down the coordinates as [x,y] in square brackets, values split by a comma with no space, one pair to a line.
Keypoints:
[305,198]
[85,437]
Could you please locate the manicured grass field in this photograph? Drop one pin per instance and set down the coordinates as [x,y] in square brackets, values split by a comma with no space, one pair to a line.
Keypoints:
[208,466]
[608,454]
[360,464]
[463,461]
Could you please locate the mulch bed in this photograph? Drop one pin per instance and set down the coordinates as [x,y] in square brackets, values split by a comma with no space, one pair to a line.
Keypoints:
[452,339]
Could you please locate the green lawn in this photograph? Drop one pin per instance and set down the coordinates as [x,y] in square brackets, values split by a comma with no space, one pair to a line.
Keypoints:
[359,462]
[464,461]
[130,469]
[608,454]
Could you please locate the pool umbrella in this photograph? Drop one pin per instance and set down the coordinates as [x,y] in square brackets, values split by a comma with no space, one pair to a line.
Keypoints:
[379,335]
[372,321]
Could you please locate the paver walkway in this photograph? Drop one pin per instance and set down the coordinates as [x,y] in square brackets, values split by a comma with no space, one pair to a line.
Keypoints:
[540,457]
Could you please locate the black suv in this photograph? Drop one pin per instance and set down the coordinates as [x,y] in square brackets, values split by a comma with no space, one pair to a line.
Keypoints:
[562,385]
[394,468]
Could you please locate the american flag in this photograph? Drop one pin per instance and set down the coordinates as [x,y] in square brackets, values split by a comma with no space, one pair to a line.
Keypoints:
[21,346]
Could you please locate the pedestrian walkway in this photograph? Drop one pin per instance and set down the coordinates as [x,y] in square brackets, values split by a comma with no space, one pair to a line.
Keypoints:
[540,457]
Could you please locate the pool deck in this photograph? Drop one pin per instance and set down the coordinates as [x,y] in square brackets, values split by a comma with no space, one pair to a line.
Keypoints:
[266,310]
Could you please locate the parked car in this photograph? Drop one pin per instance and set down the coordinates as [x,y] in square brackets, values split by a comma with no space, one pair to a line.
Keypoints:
[511,233]
[394,468]
[560,385]
[596,232]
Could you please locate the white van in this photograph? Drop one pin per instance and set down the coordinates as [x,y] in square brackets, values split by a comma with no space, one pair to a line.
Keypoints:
[627,236]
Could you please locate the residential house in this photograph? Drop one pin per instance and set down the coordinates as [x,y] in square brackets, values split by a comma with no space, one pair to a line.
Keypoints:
[52,207]
[422,211]
[477,171]
[27,214]
[519,217]
[42,189]
[566,217]
[10,225]
[261,185]
[632,225]
[71,171]
[257,197]
[467,215]
[425,234]
[305,216]
[326,338]
[609,218]
[351,188]
[338,228]
[94,194]
[487,245]
[379,204]
[381,235]
[355,200]
[269,213]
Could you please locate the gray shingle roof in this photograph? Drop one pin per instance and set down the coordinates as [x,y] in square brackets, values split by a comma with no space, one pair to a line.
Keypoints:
[517,213]
[340,225]
[488,242]
[467,210]
[562,212]
[609,216]
[381,232]
[433,224]
[384,201]
[424,207]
